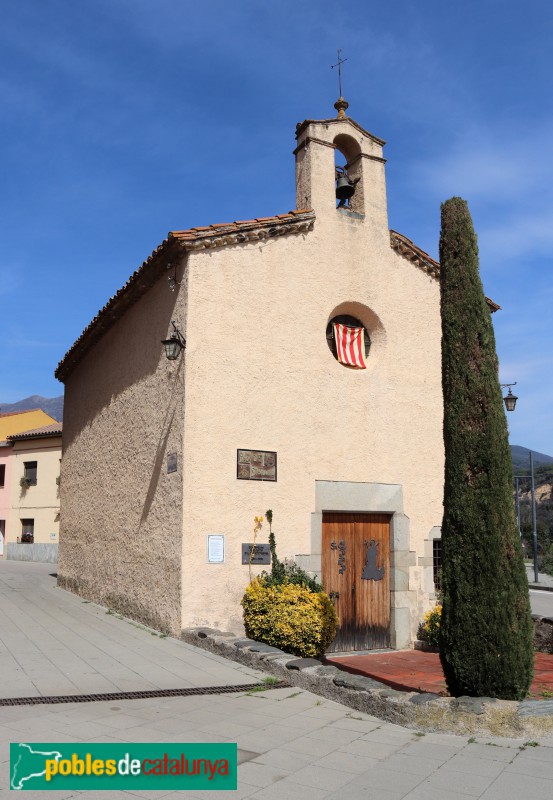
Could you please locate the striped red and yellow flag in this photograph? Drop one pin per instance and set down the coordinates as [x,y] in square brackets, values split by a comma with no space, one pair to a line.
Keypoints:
[350,345]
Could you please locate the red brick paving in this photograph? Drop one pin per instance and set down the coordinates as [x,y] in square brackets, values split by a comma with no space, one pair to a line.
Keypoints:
[412,670]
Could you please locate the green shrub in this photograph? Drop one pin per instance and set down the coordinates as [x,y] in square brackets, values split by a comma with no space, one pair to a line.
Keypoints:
[289,616]
[286,571]
[545,561]
[429,629]
[289,572]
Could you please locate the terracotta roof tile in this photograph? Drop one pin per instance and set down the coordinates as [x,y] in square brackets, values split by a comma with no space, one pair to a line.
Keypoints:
[55,429]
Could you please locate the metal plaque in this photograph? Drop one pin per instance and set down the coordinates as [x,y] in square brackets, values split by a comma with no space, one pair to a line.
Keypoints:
[256,465]
[261,553]
[370,571]
[171,462]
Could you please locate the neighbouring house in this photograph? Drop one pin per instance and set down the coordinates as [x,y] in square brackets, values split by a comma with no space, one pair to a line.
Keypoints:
[303,375]
[34,513]
[12,423]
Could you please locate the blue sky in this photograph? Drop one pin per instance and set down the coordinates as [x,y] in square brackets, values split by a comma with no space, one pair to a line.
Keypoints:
[124,119]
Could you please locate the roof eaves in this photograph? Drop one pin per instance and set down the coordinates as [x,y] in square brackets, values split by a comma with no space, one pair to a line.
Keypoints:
[409,250]
[37,433]
[251,230]
[138,283]
[218,235]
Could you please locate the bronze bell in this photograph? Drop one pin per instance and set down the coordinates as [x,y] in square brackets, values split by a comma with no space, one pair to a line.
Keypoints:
[344,188]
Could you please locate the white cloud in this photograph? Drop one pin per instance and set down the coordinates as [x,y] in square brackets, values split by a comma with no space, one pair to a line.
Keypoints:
[519,235]
[492,164]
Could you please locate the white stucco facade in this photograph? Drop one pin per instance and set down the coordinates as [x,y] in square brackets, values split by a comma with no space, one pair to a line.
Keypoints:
[257,373]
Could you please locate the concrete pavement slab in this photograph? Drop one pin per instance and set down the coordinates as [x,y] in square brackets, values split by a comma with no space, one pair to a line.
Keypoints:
[295,744]
[289,790]
[416,765]
[467,783]
[352,792]
[54,643]
[513,786]
[541,769]
[467,764]
[426,792]
[285,759]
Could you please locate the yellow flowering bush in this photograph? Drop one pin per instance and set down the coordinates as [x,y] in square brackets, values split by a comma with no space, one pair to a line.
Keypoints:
[429,629]
[290,617]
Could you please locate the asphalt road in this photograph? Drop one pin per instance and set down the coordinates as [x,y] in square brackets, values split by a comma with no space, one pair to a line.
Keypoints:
[541,602]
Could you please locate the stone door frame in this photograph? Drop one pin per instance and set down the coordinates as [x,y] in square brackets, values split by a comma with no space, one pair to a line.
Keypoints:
[371,498]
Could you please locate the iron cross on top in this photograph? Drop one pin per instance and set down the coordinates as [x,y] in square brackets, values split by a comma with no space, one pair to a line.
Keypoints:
[339,65]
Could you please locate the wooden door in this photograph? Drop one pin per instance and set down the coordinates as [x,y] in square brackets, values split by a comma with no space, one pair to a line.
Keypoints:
[356,575]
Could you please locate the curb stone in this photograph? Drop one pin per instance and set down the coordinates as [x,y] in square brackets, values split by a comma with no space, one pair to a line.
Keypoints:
[422,711]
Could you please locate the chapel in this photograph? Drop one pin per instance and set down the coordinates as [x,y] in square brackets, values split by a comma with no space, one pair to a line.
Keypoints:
[300,371]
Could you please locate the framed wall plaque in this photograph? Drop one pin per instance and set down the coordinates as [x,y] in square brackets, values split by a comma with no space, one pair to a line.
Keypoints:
[256,465]
[261,553]
[216,548]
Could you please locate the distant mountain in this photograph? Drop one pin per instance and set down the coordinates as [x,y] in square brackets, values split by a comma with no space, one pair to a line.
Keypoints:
[521,460]
[50,405]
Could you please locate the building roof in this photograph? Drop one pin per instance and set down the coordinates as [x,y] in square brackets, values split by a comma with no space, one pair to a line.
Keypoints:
[155,266]
[38,433]
[14,422]
[406,248]
[204,238]
[13,413]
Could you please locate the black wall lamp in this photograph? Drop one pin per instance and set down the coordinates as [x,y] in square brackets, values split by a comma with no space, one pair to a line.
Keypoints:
[175,344]
[510,399]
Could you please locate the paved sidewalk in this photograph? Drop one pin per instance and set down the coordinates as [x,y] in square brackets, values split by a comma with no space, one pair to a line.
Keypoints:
[54,643]
[292,744]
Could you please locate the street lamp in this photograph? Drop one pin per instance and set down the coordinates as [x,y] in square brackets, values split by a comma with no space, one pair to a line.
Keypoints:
[174,344]
[510,399]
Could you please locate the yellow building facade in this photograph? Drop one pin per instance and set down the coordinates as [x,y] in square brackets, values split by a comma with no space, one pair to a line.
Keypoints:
[34,512]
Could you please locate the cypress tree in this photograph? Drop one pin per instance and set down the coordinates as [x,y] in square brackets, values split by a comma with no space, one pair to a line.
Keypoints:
[486,628]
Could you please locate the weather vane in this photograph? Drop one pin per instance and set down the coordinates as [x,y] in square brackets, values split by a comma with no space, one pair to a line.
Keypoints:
[339,65]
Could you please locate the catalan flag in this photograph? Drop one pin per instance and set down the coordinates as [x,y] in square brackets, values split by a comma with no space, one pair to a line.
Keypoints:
[350,345]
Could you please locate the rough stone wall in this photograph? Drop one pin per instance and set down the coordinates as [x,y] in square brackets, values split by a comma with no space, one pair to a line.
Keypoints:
[121,520]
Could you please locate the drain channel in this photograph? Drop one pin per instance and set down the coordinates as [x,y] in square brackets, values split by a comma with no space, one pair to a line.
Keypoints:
[93,698]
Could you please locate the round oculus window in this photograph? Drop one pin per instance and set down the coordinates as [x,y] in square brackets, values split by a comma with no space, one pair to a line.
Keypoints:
[348,341]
